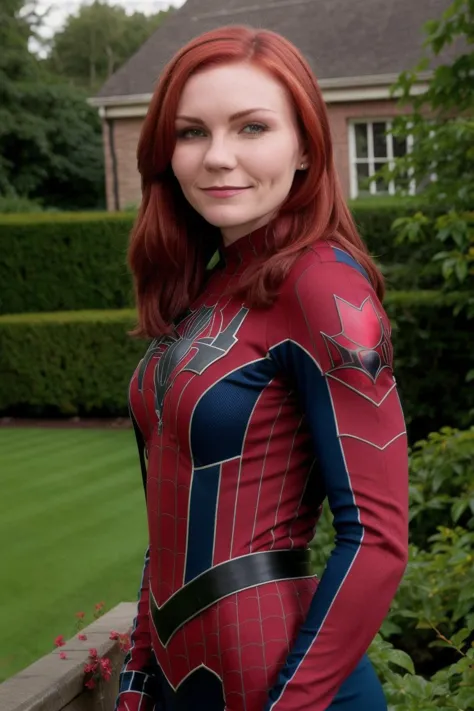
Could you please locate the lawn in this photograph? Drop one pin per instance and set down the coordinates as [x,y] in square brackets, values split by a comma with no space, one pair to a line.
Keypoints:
[72,533]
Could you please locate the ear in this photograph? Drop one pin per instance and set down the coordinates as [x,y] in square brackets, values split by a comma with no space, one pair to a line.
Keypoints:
[303,162]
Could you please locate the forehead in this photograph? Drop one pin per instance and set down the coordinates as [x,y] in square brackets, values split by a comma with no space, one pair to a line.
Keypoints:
[231,88]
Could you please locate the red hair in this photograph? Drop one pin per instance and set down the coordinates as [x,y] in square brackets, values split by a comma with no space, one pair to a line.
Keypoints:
[171,244]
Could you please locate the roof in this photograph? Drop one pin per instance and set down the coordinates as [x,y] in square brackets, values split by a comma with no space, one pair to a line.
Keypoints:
[342,39]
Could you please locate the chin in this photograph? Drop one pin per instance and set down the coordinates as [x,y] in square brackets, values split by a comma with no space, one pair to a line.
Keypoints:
[218,218]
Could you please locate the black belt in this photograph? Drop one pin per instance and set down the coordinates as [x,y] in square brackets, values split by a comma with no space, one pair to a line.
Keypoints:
[225,579]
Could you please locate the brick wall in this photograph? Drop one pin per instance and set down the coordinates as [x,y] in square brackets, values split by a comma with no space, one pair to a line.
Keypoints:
[127,130]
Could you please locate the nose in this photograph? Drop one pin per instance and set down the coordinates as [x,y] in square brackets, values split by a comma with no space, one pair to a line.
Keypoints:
[219,155]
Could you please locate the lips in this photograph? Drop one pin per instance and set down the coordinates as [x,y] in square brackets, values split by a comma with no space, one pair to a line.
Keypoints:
[225,191]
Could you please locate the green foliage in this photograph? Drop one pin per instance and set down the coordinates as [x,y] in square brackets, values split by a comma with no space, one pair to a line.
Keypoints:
[441,483]
[67,363]
[424,654]
[62,261]
[449,689]
[442,159]
[96,41]
[432,355]
[50,138]
[18,205]
[436,593]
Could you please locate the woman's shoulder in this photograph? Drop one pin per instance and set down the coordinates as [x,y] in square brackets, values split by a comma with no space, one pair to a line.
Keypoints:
[323,264]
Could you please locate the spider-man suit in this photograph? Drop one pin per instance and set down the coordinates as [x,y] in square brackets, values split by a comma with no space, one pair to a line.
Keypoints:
[251,418]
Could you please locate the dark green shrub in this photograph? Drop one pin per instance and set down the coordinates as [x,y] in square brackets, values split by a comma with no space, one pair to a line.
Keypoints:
[433,354]
[429,632]
[76,261]
[67,363]
[64,262]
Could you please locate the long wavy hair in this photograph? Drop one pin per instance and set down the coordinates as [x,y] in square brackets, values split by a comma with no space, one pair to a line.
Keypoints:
[171,243]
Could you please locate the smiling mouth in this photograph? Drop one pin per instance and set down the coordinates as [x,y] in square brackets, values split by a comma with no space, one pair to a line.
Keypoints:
[225,191]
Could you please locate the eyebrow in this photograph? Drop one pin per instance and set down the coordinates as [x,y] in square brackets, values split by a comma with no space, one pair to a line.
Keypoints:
[234,117]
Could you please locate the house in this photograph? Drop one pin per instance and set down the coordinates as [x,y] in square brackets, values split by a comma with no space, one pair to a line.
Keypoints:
[357,48]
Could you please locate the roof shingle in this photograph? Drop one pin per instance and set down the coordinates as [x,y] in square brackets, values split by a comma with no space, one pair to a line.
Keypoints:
[340,38]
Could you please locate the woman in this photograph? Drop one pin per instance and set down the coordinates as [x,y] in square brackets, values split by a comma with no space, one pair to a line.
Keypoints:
[267,387]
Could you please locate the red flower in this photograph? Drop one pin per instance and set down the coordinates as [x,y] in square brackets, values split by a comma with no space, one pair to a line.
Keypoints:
[89,668]
[90,684]
[114,635]
[125,645]
[93,652]
[82,637]
[80,615]
[59,641]
[100,605]
[106,668]
[62,655]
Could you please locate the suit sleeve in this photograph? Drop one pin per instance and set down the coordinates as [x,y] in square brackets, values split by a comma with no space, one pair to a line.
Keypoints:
[336,349]
[137,684]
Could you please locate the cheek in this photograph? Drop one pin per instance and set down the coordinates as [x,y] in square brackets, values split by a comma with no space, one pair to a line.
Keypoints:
[273,160]
[185,164]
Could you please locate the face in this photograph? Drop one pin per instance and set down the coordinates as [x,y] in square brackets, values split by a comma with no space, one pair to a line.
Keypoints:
[238,147]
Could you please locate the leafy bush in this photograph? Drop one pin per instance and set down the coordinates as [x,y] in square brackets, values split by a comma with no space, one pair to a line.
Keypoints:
[436,594]
[432,358]
[12,204]
[64,262]
[449,689]
[425,652]
[69,261]
[63,363]
[67,363]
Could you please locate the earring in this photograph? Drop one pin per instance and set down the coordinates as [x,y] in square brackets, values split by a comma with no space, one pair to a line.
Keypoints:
[303,166]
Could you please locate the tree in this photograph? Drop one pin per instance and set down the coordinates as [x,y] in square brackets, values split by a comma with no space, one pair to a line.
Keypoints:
[94,43]
[50,138]
[441,162]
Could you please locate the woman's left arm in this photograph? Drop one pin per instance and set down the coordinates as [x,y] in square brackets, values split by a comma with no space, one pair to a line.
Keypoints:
[336,347]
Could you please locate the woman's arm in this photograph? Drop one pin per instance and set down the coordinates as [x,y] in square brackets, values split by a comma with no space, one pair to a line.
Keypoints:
[334,342]
[137,684]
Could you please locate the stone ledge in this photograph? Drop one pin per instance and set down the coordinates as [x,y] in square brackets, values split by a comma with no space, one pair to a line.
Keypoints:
[53,684]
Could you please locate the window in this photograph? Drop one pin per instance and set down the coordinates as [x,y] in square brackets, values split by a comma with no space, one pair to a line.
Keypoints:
[370,148]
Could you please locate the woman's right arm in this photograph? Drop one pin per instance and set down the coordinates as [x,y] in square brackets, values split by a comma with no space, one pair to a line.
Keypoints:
[137,683]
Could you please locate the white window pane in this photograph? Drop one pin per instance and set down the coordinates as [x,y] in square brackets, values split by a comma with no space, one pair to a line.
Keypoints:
[380,140]
[361,140]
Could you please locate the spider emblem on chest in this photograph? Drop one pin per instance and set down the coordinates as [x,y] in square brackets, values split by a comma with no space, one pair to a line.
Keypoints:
[175,348]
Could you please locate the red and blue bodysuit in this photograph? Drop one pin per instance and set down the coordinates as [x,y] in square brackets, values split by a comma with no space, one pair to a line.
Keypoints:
[251,418]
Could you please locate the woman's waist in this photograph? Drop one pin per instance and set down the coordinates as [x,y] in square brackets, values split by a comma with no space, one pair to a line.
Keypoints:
[175,601]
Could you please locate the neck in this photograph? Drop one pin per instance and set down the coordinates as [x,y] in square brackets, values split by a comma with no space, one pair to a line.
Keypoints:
[246,248]
[232,234]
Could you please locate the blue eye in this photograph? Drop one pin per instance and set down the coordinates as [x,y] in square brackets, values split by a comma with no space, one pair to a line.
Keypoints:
[255,128]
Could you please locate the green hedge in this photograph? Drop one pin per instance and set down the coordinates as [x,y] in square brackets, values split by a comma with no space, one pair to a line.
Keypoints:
[76,261]
[81,362]
[67,363]
[433,354]
[64,262]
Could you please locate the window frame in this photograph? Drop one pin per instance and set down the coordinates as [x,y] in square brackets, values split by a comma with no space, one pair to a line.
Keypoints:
[371,158]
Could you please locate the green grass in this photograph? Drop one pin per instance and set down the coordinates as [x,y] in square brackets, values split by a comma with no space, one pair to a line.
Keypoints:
[72,532]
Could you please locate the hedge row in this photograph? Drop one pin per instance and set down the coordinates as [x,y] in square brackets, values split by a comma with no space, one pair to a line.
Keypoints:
[74,261]
[81,362]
